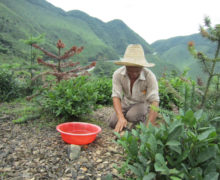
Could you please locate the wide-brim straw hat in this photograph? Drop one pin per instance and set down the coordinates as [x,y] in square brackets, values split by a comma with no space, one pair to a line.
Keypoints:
[134,56]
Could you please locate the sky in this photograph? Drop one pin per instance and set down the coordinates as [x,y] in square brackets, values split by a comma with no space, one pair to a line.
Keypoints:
[152,19]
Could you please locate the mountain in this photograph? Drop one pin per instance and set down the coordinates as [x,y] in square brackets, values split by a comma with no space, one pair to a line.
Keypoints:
[21,19]
[175,51]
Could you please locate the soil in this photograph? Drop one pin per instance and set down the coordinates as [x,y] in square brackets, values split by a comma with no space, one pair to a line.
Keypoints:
[33,151]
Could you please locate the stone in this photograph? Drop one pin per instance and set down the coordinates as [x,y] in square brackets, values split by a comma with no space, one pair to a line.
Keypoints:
[74,151]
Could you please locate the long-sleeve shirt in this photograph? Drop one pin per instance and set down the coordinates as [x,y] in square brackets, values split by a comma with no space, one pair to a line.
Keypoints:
[144,90]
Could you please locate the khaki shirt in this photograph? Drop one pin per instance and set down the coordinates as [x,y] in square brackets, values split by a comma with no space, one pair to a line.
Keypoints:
[145,88]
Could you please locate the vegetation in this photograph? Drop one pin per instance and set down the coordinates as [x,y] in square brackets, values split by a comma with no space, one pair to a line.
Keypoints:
[77,97]
[174,51]
[186,143]
[10,88]
[33,55]
[186,146]
[20,20]
[209,64]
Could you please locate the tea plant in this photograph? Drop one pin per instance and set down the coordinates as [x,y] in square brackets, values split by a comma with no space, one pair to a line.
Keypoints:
[103,88]
[184,147]
[70,98]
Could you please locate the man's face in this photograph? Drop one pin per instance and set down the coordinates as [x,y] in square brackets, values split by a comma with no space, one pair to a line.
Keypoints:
[133,72]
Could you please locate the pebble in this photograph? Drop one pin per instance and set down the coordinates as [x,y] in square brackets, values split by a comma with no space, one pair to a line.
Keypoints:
[99,161]
[40,153]
[74,151]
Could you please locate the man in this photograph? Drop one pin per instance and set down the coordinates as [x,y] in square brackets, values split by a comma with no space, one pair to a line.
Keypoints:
[135,89]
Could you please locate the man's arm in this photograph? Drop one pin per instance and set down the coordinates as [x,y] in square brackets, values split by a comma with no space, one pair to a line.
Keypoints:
[122,122]
[152,114]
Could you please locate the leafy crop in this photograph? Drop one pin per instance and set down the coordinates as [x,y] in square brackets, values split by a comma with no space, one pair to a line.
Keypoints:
[184,147]
[70,98]
[103,88]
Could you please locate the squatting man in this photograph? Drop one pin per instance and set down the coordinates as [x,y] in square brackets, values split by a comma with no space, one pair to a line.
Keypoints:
[134,91]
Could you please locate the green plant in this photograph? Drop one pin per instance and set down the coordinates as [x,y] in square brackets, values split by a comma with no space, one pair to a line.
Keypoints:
[10,88]
[70,98]
[178,91]
[184,147]
[103,88]
[209,64]
[30,41]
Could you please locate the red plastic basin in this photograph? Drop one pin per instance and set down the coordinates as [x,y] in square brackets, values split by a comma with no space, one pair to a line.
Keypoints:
[78,133]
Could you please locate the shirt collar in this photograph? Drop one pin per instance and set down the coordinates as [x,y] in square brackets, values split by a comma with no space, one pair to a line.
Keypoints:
[141,77]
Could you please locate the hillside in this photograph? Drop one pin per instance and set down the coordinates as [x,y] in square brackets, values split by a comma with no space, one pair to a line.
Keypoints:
[175,51]
[24,18]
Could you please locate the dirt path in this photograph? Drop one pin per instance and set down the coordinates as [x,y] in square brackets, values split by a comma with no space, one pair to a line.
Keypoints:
[31,152]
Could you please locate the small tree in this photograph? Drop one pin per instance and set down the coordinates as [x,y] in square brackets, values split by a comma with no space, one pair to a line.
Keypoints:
[58,69]
[30,41]
[209,64]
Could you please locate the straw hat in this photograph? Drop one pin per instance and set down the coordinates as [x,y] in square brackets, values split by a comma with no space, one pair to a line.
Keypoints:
[134,56]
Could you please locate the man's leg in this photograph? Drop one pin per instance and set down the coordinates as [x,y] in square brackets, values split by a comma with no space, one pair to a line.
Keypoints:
[113,119]
[134,114]
[137,113]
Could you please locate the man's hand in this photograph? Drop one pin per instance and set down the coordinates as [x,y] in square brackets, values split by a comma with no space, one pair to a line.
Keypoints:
[152,114]
[122,122]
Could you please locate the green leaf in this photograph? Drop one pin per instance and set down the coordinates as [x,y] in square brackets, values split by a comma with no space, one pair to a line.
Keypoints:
[176,132]
[143,160]
[196,173]
[174,178]
[216,119]
[198,114]
[134,170]
[174,171]
[159,158]
[173,143]
[183,156]
[153,143]
[211,176]
[150,176]
[176,149]
[206,154]
[189,118]
[159,168]
[135,132]
[166,118]
[205,134]
[160,164]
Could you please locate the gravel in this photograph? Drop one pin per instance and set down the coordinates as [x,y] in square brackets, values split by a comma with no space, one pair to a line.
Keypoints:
[28,151]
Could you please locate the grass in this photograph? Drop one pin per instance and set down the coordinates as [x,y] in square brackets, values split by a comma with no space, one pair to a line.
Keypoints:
[24,111]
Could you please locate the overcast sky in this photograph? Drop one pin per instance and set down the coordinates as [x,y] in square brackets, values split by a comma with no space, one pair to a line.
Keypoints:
[151,19]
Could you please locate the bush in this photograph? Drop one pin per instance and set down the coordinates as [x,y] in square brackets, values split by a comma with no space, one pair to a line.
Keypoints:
[10,88]
[103,88]
[71,98]
[178,91]
[184,147]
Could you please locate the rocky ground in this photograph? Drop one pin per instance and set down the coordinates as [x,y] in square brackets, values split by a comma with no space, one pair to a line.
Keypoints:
[29,151]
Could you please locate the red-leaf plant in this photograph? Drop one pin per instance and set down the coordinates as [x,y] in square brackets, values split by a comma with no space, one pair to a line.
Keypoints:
[57,68]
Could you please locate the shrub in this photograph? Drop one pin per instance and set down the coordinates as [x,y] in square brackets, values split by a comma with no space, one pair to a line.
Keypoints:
[103,88]
[178,91]
[71,98]
[184,147]
[10,88]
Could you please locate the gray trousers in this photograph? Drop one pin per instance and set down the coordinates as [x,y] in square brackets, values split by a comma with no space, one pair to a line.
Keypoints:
[135,114]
